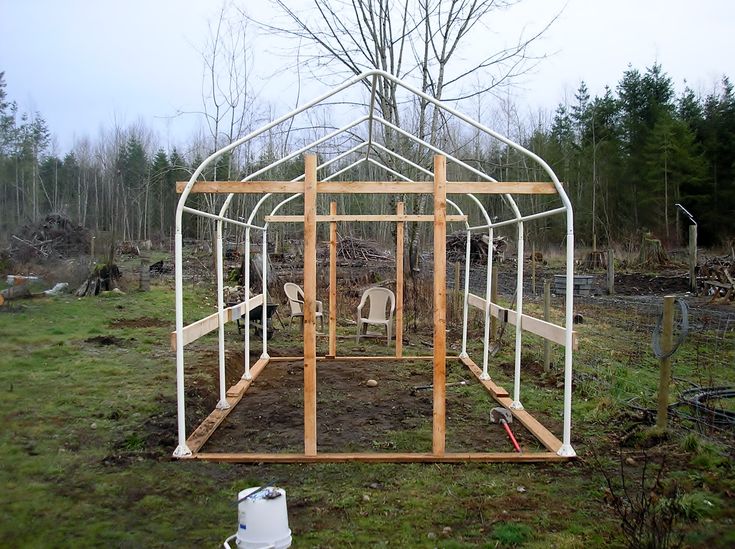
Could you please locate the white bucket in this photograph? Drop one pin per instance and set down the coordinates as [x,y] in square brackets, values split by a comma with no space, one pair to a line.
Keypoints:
[263,519]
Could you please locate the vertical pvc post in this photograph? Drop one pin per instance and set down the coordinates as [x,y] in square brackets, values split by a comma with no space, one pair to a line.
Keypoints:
[246,340]
[488,301]
[516,404]
[566,447]
[222,404]
[182,449]
[264,313]
[465,304]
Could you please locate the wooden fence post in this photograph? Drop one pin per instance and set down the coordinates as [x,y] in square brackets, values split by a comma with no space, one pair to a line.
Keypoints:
[333,282]
[610,271]
[665,368]
[692,258]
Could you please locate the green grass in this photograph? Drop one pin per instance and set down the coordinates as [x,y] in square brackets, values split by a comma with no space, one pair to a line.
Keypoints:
[88,430]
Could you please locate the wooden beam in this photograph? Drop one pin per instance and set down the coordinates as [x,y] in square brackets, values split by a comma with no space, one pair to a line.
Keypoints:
[400,211]
[541,433]
[547,330]
[310,193]
[454,457]
[371,187]
[360,218]
[440,305]
[384,358]
[333,282]
[201,434]
[495,390]
[236,311]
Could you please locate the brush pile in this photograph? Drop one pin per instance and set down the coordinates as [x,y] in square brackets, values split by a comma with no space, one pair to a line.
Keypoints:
[479,245]
[716,277]
[54,237]
[353,249]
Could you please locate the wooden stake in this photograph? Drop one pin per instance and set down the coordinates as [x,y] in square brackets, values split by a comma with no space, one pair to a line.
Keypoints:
[692,258]
[440,304]
[665,371]
[611,272]
[310,304]
[333,282]
[400,210]
[547,318]
[493,299]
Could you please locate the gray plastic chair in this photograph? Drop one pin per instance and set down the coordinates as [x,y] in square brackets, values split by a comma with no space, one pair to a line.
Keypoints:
[377,299]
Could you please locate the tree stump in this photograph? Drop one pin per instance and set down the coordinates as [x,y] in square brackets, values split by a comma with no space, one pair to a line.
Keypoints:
[652,252]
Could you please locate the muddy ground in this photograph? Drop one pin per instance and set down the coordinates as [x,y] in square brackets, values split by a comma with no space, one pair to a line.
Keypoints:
[394,416]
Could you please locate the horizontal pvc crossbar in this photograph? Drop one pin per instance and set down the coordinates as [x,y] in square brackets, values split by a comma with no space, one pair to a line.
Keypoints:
[221,218]
[359,217]
[515,221]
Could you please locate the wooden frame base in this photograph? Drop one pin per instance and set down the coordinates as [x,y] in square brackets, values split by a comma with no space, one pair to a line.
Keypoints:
[210,424]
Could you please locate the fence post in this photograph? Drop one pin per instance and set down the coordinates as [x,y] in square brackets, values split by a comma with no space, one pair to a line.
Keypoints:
[457,297]
[547,318]
[533,268]
[665,368]
[145,274]
[610,271]
[692,257]
[494,299]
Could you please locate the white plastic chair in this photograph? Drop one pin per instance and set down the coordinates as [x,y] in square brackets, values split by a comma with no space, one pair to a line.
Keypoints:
[378,299]
[295,296]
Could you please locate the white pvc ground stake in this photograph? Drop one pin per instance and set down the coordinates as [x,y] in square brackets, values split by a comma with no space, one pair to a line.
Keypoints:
[516,404]
[222,404]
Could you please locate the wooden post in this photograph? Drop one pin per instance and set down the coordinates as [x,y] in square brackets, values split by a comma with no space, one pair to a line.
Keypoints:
[692,257]
[91,249]
[333,282]
[665,371]
[611,271]
[494,299]
[400,210]
[310,305]
[440,304]
[547,318]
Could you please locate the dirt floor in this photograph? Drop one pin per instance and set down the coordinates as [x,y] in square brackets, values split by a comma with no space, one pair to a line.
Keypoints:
[395,415]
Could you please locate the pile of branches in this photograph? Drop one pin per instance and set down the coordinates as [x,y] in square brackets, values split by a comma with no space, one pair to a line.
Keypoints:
[103,278]
[354,249]
[54,237]
[479,245]
[716,276]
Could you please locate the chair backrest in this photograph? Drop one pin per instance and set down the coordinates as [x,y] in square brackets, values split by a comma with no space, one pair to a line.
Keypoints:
[378,299]
[295,297]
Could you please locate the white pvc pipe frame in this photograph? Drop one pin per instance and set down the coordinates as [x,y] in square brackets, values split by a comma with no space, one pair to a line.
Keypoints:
[566,448]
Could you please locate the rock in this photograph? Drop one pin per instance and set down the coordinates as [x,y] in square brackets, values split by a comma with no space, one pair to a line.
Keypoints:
[630,461]
[371,383]
[431,535]
[93,426]
[447,530]
[521,489]
[365,497]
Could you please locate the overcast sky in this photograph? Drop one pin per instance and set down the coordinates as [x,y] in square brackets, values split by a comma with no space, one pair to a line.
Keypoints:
[85,64]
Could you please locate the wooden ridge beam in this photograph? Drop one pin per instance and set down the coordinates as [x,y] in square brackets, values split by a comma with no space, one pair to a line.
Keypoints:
[360,217]
[370,187]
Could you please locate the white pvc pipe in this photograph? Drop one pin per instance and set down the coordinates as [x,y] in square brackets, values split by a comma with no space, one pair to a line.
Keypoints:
[222,404]
[264,312]
[488,286]
[465,300]
[516,404]
[246,352]
[220,218]
[529,217]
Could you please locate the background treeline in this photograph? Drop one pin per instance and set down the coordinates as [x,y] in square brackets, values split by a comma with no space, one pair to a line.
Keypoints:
[626,158]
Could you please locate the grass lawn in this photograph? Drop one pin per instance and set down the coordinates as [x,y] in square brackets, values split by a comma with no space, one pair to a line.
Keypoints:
[87,401]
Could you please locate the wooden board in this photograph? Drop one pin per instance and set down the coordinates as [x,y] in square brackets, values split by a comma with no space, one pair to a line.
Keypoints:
[495,390]
[201,434]
[310,432]
[370,187]
[440,305]
[454,457]
[360,218]
[543,435]
[383,358]
[201,327]
[547,330]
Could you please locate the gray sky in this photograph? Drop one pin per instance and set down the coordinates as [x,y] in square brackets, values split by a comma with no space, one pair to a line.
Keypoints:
[85,64]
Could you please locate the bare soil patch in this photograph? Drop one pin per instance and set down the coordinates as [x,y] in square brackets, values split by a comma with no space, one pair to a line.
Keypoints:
[105,340]
[353,417]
